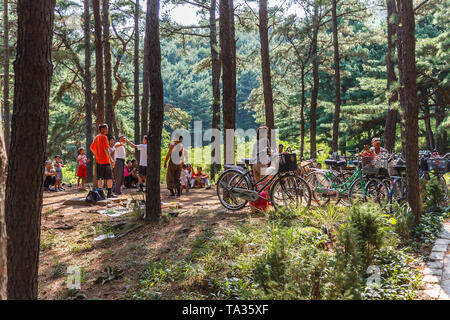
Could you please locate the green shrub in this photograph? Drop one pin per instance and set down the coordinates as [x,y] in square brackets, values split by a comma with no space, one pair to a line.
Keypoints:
[399,280]
[404,219]
[433,195]
[369,226]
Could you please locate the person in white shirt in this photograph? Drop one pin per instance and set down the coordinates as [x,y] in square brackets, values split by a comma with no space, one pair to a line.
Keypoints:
[119,160]
[142,169]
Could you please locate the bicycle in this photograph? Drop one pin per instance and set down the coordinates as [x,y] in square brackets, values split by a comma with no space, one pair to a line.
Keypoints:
[236,186]
[361,186]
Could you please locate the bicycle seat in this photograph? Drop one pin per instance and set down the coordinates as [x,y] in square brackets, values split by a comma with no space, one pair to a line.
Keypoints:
[247,160]
[400,167]
[336,163]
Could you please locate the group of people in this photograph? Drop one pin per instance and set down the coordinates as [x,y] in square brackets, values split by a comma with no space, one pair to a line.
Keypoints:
[113,169]
[110,155]
[180,174]
[53,174]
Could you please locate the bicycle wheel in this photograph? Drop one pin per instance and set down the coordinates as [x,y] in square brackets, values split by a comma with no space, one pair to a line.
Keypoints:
[377,191]
[373,189]
[227,181]
[290,192]
[319,184]
[356,192]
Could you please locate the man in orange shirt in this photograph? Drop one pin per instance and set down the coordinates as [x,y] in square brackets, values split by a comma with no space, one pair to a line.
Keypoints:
[100,148]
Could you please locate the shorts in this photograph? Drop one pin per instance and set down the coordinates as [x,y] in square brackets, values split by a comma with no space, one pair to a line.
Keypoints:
[142,171]
[59,175]
[104,171]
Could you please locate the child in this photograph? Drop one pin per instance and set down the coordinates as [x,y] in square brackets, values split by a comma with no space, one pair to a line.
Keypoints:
[82,171]
[59,175]
[201,179]
[185,178]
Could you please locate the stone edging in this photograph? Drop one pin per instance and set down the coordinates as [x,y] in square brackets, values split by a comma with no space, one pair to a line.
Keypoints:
[437,270]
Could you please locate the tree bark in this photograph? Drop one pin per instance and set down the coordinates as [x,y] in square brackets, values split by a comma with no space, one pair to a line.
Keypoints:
[33,72]
[441,137]
[88,89]
[302,114]
[109,112]
[6,107]
[315,89]
[337,80]
[265,64]
[427,119]
[409,88]
[137,108]
[145,79]
[215,71]
[392,115]
[100,87]
[3,237]
[153,55]
[228,60]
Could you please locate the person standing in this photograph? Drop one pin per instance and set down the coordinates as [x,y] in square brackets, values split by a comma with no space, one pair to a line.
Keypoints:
[175,158]
[59,174]
[142,169]
[119,159]
[105,163]
[82,169]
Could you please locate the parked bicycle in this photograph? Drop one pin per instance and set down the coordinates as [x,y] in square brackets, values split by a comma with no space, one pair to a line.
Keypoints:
[236,186]
[363,184]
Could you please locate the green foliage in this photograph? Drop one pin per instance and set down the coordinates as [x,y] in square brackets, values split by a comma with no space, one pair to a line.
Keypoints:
[404,219]
[399,274]
[369,228]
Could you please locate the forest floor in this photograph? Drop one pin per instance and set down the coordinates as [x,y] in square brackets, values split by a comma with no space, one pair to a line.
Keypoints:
[194,252]
[68,232]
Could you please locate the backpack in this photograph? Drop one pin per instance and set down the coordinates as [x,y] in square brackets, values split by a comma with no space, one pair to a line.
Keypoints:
[95,195]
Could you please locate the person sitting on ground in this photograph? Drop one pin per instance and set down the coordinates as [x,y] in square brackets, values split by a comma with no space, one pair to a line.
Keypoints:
[130,175]
[201,179]
[59,175]
[49,177]
[142,170]
[185,178]
[82,169]
[105,163]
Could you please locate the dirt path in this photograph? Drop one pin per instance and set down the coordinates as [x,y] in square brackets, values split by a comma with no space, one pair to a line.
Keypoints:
[68,232]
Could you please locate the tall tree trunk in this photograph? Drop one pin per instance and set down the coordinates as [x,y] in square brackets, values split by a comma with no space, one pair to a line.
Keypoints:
[337,80]
[3,237]
[315,89]
[109,112]
[88,89]
[427,119]
[302,115]
[215,70]
[228,60]
[391,118]
[100,87]
[6,109]
[145,79]
[33,72]
[440,112]
[409,88]
[153,55]
[265,63]
[137,108]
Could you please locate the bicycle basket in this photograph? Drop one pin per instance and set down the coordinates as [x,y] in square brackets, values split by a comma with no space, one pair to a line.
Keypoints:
[370,170]
[287,162]
[437,164]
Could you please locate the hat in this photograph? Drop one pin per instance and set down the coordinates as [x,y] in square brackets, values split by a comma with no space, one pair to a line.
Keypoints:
[375,139]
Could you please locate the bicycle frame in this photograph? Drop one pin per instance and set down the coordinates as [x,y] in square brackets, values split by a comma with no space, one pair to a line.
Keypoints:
[343,188]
